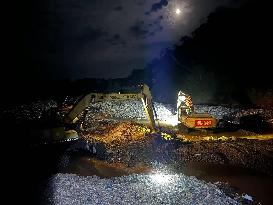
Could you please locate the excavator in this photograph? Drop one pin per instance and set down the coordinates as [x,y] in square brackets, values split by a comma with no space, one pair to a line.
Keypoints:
[144,95]
[185,112]
[67,131]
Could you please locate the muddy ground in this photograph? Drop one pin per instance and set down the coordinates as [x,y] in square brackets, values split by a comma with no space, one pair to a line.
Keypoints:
[128,142]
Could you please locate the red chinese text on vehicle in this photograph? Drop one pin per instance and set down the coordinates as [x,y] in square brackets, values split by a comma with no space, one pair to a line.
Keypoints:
[199,123]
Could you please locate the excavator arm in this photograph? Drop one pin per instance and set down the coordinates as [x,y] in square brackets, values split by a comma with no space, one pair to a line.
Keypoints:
[145,95]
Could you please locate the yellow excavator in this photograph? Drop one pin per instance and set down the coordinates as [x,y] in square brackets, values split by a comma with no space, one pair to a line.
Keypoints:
[185,112]
[65,133]
[144,95]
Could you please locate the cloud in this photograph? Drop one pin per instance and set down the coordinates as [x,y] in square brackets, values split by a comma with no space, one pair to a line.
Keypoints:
[141,2]
[118,8]
[91,34]
[139,29]
[157,6]
[86,33]
[116,40]
[142,29]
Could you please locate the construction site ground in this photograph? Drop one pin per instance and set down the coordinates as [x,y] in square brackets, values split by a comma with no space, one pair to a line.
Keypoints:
[240,158]
[238,161]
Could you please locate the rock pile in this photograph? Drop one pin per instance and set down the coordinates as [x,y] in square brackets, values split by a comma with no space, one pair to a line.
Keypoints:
[134,189]
[118,133]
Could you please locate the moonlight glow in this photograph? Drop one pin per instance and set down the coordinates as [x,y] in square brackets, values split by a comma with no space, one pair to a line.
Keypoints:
[176,14]
[177,11]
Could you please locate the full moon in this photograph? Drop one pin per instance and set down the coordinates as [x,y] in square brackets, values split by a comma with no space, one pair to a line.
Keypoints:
[177,11]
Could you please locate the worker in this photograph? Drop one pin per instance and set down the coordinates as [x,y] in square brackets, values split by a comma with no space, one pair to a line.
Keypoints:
[184,103]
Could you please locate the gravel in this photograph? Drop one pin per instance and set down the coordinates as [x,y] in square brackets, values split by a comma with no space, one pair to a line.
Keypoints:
[133,189]
[130,109]
[253,154]
[29,112]
[233,114]
[133,109]
[141,189]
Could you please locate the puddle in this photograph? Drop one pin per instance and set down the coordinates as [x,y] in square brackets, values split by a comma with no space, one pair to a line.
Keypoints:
[86,166]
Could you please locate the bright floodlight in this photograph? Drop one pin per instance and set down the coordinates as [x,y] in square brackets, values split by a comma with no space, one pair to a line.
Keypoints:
[160,178]
[172,120]
[182,98]
[177,11]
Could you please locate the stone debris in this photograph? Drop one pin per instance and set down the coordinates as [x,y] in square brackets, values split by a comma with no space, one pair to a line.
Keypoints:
[29,112]
[233,114]
[126,142]
[117,133]
[156,188]
[129,109]
[253,154]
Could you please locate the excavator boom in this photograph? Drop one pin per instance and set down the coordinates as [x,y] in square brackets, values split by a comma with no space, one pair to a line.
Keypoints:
[145,95]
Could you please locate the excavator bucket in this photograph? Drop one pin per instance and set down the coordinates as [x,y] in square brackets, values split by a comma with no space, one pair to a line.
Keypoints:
[53,135]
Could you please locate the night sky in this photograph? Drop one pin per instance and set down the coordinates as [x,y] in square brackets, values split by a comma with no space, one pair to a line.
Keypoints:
[216,50]
[76,39]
